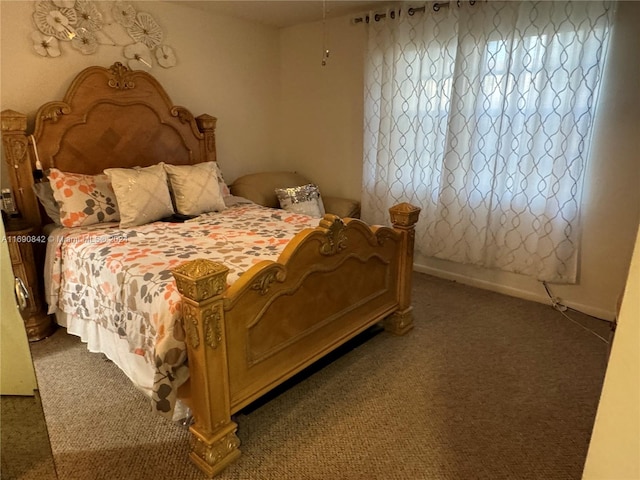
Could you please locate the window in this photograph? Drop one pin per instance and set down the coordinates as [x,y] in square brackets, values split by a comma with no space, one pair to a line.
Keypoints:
[482,116]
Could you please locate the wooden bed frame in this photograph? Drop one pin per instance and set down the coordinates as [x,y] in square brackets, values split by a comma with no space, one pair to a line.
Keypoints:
[329,284]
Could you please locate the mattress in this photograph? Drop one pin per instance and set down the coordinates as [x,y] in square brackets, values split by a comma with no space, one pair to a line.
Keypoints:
[113,287]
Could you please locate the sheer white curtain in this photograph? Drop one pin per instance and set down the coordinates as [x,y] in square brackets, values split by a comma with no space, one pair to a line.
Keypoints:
[482,116]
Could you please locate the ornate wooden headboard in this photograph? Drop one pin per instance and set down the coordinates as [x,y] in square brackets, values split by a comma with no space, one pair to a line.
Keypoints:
[109,117]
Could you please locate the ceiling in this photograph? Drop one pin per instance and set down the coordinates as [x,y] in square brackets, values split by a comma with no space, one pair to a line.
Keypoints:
[282,13]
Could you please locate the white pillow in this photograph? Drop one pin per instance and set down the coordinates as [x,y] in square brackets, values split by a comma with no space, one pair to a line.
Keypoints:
[142,194]
[195,188]
[304,199]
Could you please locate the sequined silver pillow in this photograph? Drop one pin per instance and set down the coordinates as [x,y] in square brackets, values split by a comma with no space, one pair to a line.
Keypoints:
[304,199]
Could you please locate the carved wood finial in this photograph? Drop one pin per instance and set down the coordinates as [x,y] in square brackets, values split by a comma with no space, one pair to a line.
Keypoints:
[404,215]
[201,279]
[206,122]
[207,125]
[13,121]
[121,79]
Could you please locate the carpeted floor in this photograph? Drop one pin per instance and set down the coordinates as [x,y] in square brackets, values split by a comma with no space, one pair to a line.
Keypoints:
[25,451]
[485,387]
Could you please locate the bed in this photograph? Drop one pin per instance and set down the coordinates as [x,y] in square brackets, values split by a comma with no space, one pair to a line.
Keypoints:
[229,326]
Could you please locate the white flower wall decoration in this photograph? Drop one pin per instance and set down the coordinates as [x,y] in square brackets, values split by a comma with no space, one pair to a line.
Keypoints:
[165,56]
[124,13]
[86,27]
[45,45]
[89,16]
[53,20]
[146,30]
[139,56]
[85,41]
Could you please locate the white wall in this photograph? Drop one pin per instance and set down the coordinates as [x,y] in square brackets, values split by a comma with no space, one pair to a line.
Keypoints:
[614,450]
[322,107]
[322,136]
[226,67]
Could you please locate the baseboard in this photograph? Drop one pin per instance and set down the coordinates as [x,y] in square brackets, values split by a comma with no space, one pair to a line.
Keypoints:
[513,292]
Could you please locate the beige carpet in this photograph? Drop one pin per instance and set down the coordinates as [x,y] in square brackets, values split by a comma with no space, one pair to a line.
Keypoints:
[485,387]
[25,452]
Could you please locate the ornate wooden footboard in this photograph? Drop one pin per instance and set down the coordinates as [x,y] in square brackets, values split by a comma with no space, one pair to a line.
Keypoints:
[329,284]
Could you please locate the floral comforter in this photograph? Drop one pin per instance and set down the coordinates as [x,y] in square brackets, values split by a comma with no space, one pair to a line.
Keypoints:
[121,278]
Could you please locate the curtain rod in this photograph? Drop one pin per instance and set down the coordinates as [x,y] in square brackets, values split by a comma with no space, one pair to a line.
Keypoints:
[411,11]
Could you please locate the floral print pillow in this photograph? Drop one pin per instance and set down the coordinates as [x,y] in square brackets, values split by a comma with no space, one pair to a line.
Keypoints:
[83,199]
[224,188]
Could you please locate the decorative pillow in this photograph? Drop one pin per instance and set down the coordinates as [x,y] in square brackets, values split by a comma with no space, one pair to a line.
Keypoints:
[44,192]
[142,194]
[224,188]
[83,199]
[195,188]
[304,199]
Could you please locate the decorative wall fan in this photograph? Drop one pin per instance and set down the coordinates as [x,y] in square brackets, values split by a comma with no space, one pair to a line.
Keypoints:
[87,29]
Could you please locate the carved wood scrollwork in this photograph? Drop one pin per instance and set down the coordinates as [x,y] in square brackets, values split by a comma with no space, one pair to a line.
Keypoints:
[335,238]
[383,235]
[263,283]
[53,111]
[211,326]
[190,321]
[217,451]
[16,149]
[210,143]
[212,329]
[122,77]
[184,115]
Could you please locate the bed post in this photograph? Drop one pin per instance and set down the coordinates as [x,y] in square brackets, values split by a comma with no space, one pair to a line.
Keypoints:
[214,443]
[207,125]
[18,158]
[403,217]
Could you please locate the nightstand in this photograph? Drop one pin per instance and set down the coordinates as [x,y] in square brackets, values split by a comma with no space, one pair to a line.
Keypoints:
[23,243]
